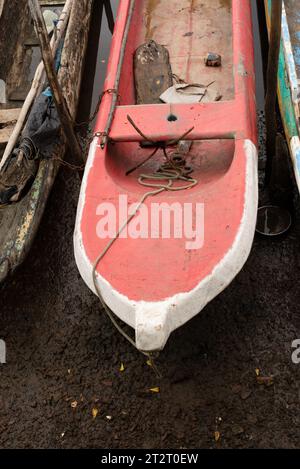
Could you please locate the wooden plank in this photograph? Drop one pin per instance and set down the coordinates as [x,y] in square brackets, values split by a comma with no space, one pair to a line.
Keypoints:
[14,21]
[9,115]
[53,3]
[7,118]
[206,121]
[5,134]
[152,72]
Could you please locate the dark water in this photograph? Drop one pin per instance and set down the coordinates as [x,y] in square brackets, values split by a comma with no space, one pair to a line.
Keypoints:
[103,49]
[102,55]
[260,91]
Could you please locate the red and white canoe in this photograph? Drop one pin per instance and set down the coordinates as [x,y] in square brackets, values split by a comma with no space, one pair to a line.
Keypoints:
[152,283]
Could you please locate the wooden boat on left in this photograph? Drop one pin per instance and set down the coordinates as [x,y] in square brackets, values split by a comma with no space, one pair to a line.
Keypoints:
[19,221]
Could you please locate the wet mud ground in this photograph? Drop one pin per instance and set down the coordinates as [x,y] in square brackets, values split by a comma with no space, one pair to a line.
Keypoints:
[62,386]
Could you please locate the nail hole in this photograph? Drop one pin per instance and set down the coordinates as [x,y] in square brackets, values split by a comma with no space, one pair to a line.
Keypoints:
[172,118]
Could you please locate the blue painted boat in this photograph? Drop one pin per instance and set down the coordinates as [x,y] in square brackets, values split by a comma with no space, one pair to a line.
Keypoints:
[289,77]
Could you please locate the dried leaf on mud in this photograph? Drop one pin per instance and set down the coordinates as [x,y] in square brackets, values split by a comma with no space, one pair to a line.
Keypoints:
[95,413]
[122,368]
[155,390]
[217,436]
[257,371]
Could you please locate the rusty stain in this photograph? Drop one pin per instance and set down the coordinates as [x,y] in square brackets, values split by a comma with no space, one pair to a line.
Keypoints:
[226,4]
[193,6]
[150,9]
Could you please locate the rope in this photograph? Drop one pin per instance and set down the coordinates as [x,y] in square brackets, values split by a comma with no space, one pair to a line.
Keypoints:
[96,111]
[170,172]
[86,135]
[157,144]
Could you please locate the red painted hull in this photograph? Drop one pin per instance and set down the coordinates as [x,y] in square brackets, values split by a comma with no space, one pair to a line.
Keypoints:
[157,284]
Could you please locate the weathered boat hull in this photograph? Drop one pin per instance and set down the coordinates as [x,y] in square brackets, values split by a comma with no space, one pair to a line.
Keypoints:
[155,283]
[288,78]
[19,223]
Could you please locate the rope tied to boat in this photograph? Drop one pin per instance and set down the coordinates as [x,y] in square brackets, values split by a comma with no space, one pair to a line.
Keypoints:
[173,170]
[158,144]
[86,136]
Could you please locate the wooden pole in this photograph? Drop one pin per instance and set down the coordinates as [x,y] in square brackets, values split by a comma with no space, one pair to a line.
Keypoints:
[272,80]
[109,15]
[59,99]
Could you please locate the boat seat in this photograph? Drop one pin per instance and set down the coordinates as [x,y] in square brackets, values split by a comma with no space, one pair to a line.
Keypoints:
[218,120]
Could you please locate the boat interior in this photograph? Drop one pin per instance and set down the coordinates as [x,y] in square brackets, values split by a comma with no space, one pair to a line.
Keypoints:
[189,29]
